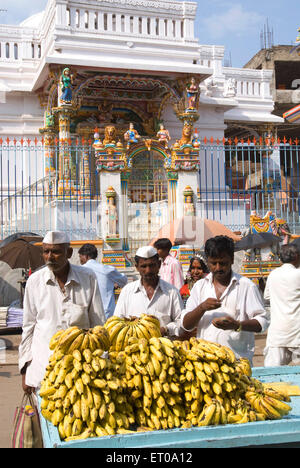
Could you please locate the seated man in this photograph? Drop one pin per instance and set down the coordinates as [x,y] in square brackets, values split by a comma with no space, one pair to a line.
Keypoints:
[151,295]
[226,307]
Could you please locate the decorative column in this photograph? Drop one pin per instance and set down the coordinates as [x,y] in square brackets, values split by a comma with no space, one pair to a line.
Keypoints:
[87,164]
[66,186]
[172,189]
[112,168]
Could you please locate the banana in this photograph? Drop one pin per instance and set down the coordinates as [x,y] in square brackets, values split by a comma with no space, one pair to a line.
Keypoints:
[87,354]
[268,409]
[55,339]
[155,364]
[68,337]
[206,416]
[83,435]
[115,330]
[76,344]
[79,386]
[85,410]
[85,342]
[280,406]
[157,353]
[120,338]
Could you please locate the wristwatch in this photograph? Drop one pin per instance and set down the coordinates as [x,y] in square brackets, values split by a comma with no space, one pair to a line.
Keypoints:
[239,327]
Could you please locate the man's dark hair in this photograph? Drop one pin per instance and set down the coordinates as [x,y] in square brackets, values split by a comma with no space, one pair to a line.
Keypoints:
[163,243]
[216,246]
[89,250]
[137,258]
[289,253]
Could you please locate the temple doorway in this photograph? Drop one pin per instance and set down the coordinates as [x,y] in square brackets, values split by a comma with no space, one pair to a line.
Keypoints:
[147,198]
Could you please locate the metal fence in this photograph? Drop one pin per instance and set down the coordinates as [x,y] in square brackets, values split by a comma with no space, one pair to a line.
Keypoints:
[44,188]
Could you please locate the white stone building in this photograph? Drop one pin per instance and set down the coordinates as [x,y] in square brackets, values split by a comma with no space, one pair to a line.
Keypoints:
[131,60]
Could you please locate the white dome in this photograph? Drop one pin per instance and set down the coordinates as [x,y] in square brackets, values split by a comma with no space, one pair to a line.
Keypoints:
[33,21]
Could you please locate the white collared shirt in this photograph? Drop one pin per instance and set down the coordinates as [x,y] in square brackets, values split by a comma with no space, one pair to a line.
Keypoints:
[107,276]
[166,304]
[283,292]
[241,300]
[47,309]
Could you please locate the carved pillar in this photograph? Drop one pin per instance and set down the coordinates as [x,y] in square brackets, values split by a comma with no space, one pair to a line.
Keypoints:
[172,198]
[87,164]
[65,183]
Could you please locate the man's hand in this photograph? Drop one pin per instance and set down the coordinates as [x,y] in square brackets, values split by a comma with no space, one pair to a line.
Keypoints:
[210,304]
[163,331]
[25,387]
[226,323]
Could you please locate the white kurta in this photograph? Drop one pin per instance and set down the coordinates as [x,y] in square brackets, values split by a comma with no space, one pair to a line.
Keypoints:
[283,292]
[166,304]
[47,309]
[241,300]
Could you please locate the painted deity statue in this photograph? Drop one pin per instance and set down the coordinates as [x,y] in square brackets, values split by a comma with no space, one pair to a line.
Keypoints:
[131,135]
[163,135]
[66,81]
[111,214]
[188,206]
[192,94]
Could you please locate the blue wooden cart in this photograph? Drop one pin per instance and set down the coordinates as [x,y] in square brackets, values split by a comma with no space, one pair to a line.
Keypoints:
[278,433]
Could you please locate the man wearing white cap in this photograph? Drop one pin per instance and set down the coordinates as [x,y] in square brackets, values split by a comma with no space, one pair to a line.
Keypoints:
[57,296]
[151,295]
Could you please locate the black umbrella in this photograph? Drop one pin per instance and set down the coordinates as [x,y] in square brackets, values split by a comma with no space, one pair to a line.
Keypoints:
[256,240]
[28,236]
[22,254]
[296,242]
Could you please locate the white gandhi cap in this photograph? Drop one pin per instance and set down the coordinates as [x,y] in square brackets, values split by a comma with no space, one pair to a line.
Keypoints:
[146,252]
[56,237]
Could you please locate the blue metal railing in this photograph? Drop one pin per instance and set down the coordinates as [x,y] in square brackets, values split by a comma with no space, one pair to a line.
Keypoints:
[41,190]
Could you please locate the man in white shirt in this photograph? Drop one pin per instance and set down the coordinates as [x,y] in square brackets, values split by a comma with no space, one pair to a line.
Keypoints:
[170,269]
[106,275]
[151,295]
[225,307]
[58,296]
[283,292]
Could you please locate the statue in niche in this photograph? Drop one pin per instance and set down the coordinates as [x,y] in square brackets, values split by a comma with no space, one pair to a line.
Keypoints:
[131,135]
[163,135]
[188,207]
[230,88]
[66,82]
[192,92]
[111,213]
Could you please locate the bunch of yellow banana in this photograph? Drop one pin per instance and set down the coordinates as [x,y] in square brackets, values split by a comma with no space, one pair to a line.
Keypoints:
[76,338]
[83,393]
[122,329]
[244,367]
[268,403]
[153,387]
[213,413]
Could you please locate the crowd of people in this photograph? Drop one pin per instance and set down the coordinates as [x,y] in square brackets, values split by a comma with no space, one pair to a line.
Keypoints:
[213,302]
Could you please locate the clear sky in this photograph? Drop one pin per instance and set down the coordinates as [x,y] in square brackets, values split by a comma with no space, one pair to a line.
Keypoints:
[236,24]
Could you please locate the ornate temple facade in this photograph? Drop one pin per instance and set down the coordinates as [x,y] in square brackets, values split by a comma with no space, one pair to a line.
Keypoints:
[106,109]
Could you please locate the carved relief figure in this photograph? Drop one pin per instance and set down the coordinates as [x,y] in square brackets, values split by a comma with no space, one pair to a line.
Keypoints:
[66,81]
[163,135]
